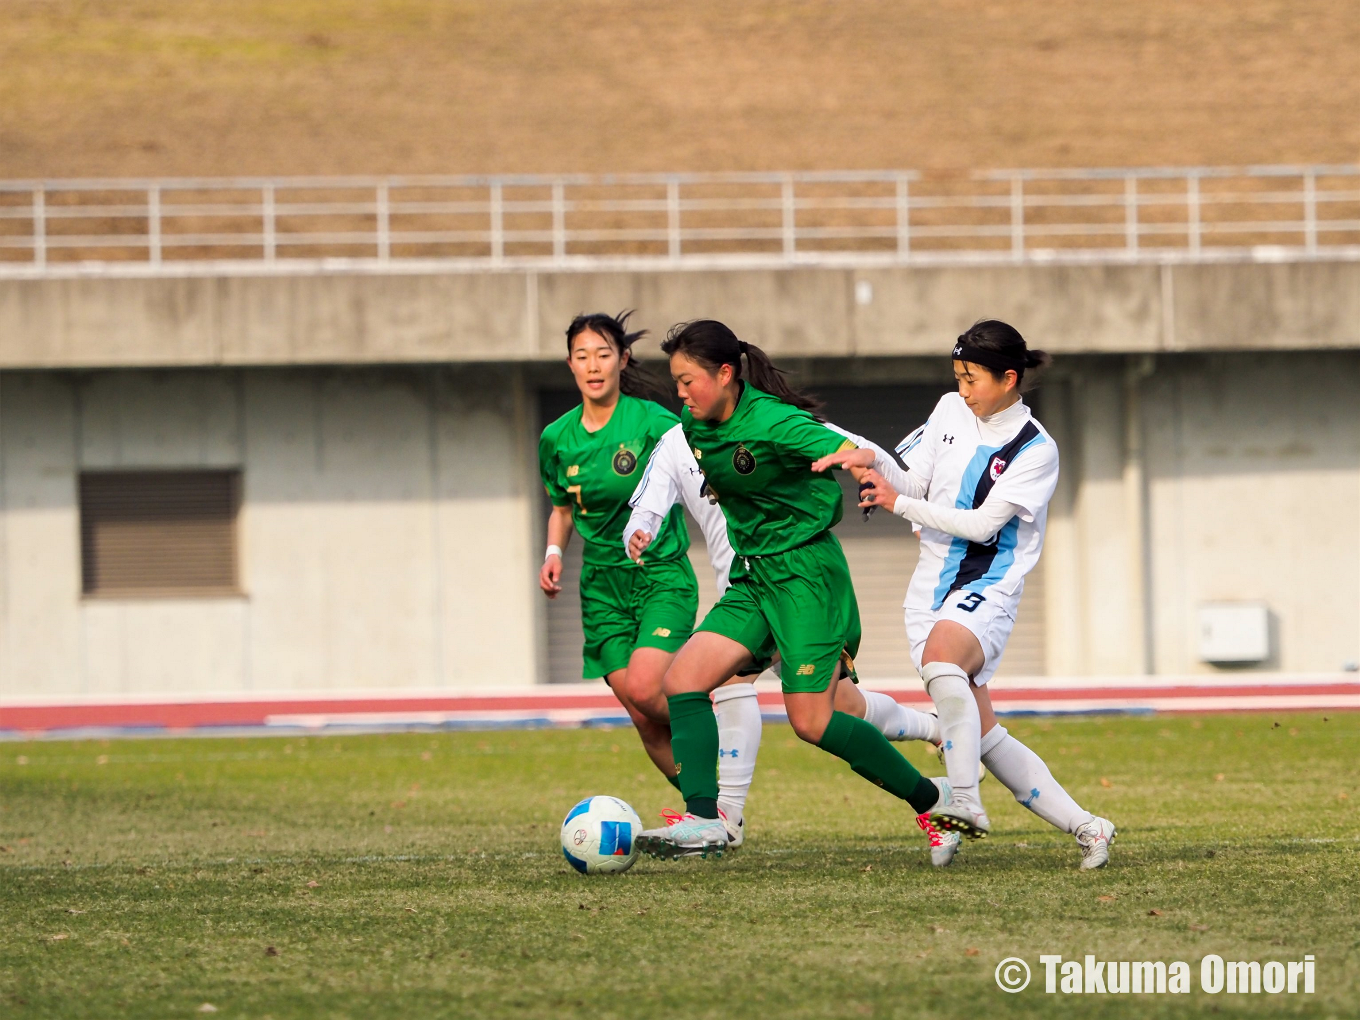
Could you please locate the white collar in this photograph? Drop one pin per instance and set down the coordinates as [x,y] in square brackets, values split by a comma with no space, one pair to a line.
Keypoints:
[1005,423]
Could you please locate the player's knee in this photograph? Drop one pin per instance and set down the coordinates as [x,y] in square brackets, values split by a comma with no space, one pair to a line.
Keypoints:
[809,724]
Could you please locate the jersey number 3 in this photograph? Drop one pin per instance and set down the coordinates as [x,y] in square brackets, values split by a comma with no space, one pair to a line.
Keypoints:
[970,602]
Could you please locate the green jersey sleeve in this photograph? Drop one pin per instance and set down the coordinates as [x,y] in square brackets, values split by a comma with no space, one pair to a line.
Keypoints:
[547,469]
[802,436]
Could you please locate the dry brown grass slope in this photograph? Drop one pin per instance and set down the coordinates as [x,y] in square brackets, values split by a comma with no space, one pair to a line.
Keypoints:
[96,87]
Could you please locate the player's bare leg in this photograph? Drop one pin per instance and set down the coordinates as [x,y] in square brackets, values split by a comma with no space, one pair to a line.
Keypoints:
[1027,776]
[951,657]
[638,689]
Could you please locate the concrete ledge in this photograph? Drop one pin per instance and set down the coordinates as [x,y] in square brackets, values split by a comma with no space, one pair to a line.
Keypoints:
[428,315]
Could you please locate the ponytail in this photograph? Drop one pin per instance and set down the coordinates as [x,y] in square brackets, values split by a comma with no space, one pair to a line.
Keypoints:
[634,381]
[713,345]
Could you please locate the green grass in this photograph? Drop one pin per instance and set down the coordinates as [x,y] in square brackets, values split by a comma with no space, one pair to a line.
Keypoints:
[418,875]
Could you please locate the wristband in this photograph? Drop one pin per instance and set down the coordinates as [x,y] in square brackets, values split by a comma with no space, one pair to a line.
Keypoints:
[553,550]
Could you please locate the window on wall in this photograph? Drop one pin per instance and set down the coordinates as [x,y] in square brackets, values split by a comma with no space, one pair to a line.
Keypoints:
[159,534]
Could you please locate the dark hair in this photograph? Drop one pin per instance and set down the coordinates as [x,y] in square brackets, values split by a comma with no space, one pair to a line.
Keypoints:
[712,345]
[1001,338]
[633,380]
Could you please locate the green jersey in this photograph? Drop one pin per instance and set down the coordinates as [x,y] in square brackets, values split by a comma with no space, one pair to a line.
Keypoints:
[595,473]
[758,466]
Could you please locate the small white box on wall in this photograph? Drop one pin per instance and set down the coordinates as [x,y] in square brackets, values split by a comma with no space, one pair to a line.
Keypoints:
[1234,632]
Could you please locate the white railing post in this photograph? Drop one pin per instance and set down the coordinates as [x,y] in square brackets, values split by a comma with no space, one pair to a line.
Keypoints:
[559,218]
[1017,219]
[1131,214]
[673,219]
[1310,231]
[903,217]
[1192,211]
[384,208]
[790,222]
[39,227]
[497,224]
[268,217]
[153,224]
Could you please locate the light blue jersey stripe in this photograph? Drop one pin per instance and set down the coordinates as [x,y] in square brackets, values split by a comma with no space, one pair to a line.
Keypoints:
[1006,539]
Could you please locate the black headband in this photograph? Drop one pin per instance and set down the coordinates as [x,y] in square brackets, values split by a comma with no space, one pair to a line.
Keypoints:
[988,359]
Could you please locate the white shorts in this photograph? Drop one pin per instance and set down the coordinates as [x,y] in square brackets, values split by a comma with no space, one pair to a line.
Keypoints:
[988,622]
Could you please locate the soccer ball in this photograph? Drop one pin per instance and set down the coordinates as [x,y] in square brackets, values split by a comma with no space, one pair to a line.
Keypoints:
[599,836]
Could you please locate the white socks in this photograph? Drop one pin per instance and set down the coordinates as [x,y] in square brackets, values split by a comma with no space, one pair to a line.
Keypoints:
[739,730]
[960,726]
[1024,773]
[899,722]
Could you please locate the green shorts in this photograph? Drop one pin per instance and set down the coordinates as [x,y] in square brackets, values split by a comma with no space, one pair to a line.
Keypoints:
[623,608]
[800,603]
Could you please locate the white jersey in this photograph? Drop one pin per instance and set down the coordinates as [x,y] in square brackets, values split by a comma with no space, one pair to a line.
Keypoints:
[672,476]
[957,460]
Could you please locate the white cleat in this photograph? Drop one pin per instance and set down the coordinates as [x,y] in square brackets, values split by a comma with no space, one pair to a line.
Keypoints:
[963,815]
[736,831]
[684,836]
[1095,838]
[943,845]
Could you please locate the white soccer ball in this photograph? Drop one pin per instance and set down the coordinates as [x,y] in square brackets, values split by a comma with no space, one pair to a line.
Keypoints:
[599,836]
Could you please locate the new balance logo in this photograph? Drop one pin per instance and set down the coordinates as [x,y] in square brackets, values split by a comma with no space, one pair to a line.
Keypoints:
[806,670]
[661,632]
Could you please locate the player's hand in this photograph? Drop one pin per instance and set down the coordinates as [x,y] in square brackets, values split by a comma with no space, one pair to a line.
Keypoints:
[638,542]
[550,575]
[875,491]
[856,458]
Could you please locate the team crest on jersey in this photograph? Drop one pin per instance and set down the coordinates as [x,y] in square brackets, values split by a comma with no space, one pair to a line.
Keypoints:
[624,462]
[998,466]
[743,461]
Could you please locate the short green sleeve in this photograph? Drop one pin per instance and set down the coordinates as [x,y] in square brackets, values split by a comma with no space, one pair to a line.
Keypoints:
[547,468]
[803,436]
[659,421]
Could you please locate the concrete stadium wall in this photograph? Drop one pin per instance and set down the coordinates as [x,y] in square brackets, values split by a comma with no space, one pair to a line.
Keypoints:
[384,531]
[1209,418]
[389,532]
[1203,478]
[356,317]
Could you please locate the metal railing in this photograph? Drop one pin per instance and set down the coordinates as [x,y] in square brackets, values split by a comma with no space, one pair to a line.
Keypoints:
[680,219]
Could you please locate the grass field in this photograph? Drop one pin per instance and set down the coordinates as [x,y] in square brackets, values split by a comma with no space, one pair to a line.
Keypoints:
[418,875]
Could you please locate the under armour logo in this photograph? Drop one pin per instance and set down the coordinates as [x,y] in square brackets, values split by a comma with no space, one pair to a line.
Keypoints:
[727,754]
[948,439]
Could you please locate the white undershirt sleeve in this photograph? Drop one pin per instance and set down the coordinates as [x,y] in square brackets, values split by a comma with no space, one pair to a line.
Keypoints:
[673,476]
[886,465]
[980,525]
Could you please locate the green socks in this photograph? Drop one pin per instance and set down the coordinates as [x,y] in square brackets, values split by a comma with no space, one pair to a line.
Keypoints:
[868,752]
[694,742]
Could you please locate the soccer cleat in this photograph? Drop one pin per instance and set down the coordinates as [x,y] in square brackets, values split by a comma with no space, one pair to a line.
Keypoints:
[1095,838]
[684,836]
[964,816]
[943,845]
[736,831]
